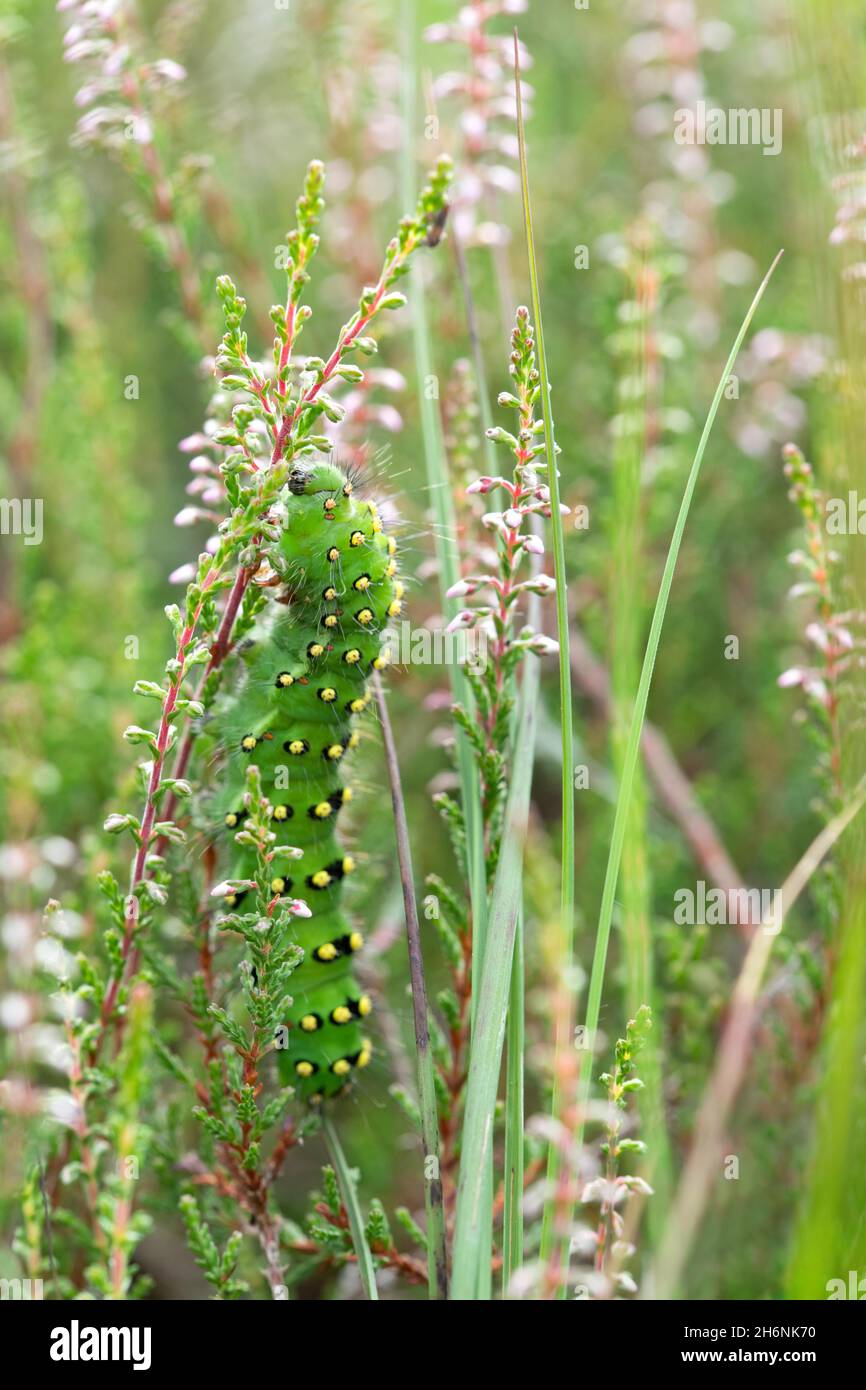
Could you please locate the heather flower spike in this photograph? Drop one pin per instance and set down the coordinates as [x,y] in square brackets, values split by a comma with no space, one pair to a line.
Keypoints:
[514,540]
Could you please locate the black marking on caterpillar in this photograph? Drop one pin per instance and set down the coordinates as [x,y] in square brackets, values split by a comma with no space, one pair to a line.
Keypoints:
[294,713]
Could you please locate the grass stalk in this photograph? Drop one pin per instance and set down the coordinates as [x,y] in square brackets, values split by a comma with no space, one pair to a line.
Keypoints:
[349,1194]
[445,537]
[632,751]
[472,1237]
[515,1039]
[437,1257]
[626,542]
[565,706]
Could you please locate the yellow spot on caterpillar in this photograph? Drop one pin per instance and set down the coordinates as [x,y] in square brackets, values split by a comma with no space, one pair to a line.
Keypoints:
[249,742]
[278,885]
[328,694]
[309,1023]
[347,791]
[356,940]
[321,878]
[335,751]
[281,813]
[392,546]
[347,489]
[323,810]
[372,509]
[285,678]
[297,746]
[377,525]
[231,819]
[363,1058]
[341,1014]
[326,952]
[331,620]
[333,554]
[362,583]
[316,1099]
[330,593]
[341,1066]
[395,608]
[354,740]
[352,656]
[231,899]
[304,1068]
[365,1005]
[348,864]
[358,706]
[382,660]
[391,569]
[330,505]
[399,589]
[364,616]
[315,649]
[357,538]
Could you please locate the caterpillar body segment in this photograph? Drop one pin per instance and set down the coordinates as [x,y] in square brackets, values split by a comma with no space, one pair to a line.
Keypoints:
[296,714]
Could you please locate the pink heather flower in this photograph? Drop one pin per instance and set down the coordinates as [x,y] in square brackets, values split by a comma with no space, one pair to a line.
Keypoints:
[298,908]
[483,484]
[193,442]
[167,68]
[533,545]
[543,646]
[512,518]
[465,618]
[184,574]
[794,676]
[544,584]
[462,589]
[188,516]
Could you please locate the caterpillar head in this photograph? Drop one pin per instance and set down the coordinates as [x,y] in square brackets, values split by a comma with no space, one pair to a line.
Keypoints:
[308,478]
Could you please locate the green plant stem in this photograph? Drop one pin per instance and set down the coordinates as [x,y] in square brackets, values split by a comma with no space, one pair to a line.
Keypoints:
[566,720]
[512,1224]
[353,1209]
[629,764]
[445,541]
[472,1237]
[437,1257]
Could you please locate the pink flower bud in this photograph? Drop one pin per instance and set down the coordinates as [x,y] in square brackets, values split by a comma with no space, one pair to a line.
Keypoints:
[533,545]
[465,618]
[543,646]
[462,589]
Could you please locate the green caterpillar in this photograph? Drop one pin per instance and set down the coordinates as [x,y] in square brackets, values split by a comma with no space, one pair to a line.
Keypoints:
[294,714]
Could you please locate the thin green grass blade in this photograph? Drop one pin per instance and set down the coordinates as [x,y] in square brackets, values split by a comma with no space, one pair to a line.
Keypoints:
[512,1223]
[472,1237]
[349,1194]
[437,1254]
[630,759]
[626,547]
[566,719]
[445,532]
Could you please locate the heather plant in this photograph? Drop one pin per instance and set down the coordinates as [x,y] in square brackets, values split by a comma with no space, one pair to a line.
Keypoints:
[310,978]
